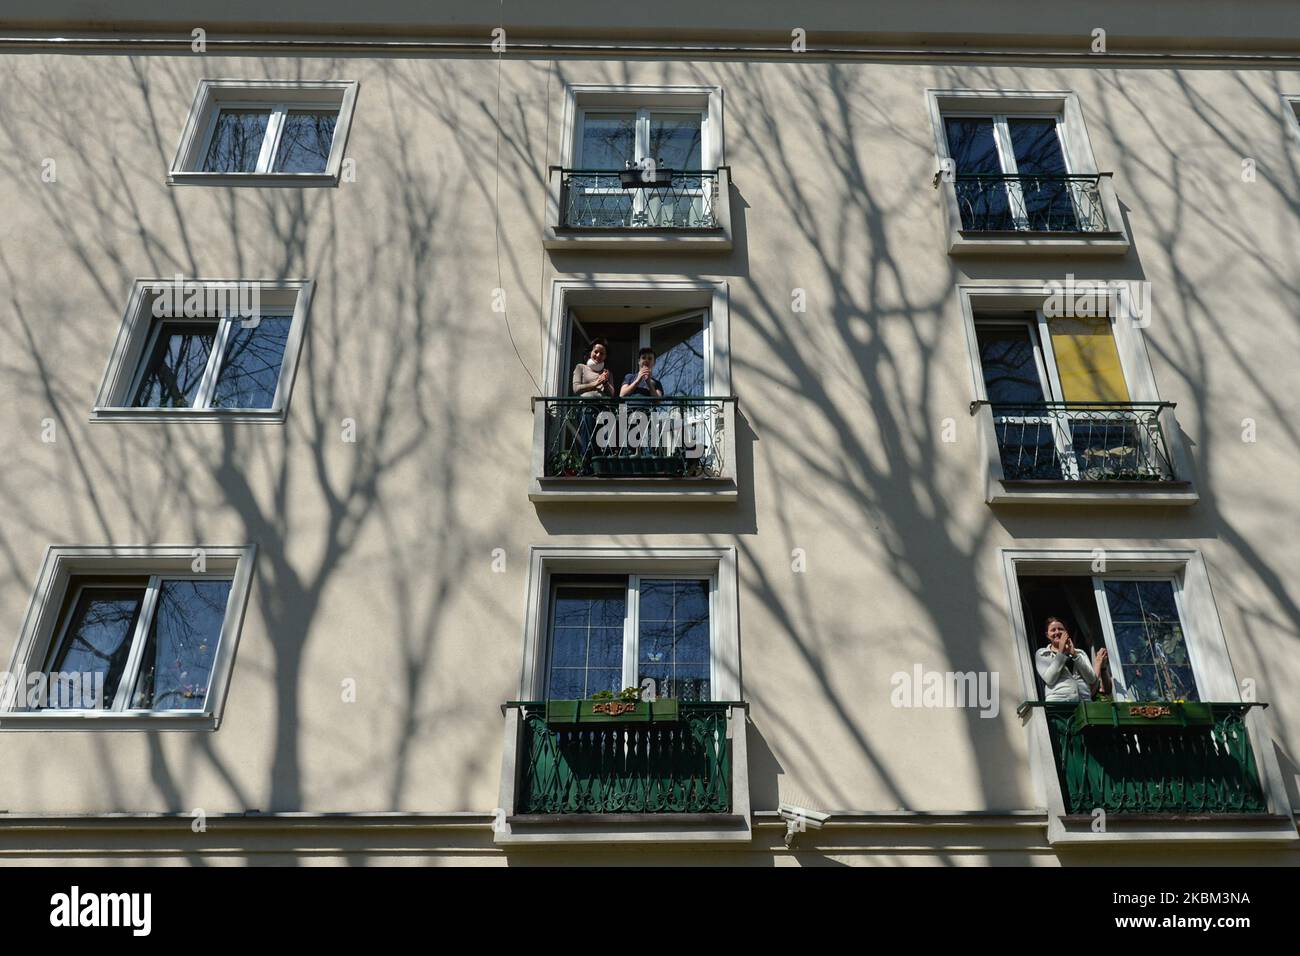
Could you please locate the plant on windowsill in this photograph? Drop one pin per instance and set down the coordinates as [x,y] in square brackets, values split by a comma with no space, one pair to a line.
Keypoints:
[606,707]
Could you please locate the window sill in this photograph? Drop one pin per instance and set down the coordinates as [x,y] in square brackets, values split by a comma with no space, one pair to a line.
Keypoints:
[633,489]
[707,240]
[107,720]
[1077,829]
[625,828]
[1001,243]
[269,415]
[1179,493]
[187,178]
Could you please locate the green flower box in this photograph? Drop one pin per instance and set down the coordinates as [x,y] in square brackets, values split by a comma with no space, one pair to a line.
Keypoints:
[1125,713]
[569,712]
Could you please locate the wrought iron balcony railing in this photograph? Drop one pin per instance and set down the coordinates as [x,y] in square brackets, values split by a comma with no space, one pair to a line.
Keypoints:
[678,767]
[1082,441]
[634,437]
[623,199]
[1206,768]
[1028,203]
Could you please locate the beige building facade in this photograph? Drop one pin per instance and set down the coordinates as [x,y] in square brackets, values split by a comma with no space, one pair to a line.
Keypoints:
[974,323]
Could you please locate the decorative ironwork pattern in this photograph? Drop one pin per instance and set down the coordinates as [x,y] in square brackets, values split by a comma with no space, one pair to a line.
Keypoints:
[682,767]
[1028,203]
[634,437]
[1157,769]
[595,199]
[1082,441]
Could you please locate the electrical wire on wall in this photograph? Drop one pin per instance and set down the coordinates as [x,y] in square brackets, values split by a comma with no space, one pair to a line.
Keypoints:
[496,199]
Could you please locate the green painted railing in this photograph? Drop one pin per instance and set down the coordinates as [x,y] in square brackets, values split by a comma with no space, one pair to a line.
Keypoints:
[682,767]
[1208,769]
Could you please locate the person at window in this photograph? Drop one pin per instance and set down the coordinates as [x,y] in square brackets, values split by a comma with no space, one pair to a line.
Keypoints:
[1066,671]
[642,382]
[591,380]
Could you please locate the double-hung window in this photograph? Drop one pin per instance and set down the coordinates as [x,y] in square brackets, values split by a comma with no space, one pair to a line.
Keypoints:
[654,632]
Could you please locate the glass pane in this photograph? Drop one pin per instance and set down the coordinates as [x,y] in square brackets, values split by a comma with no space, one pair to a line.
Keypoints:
[305,141]
[250,369]
[176,669]
[1040,168]
[673,644]
[175,368]
[608,141]
[1009,366]
[1152,647]
[675,140]
[95,647]
[679,356]
[586,641]
[237,141]
[1087,360]
[982,202]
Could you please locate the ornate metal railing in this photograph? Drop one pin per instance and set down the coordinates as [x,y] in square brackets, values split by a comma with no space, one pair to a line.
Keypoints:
[626,199]
[1207,769]
[1027,203]
[634,437]
[1082,441]
[681,767]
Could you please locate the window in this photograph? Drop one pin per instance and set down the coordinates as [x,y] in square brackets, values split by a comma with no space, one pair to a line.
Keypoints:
[259,132]
[1061,403]
[1017,173]
[1065,397]
[641,166]
[596,444]
[654,633]
[1137,618]
[205,349]
[123,634]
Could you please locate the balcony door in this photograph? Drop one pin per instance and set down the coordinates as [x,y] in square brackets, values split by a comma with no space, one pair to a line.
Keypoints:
[612,141]
[1072,367]
[1012,173]
[652,632]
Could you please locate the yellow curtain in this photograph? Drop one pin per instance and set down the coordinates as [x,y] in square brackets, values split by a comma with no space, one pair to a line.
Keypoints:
[1087,360]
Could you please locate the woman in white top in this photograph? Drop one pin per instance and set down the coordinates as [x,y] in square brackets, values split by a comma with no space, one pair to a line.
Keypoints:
[1066,670]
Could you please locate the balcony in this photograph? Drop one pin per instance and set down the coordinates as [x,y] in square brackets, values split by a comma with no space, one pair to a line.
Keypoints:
[1190,760]
[1053,214]
[626,780]
[620,209]
[1076,451]
[633,448]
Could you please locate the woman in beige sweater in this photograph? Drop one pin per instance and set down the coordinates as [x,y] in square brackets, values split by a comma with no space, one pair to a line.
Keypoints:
[591,380]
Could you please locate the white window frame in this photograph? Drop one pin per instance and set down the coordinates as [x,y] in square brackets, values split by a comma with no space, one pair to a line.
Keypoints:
[1108,626]
[546,561]
[139,331]
[987,298]
[632,621]
[42,632]
[582,98]
[277,96]
[1216,683]
[688,295]
[1062,105]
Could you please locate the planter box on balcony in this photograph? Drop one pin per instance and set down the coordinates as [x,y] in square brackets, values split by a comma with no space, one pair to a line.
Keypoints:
[568,712]
[1156,714]
[641,466]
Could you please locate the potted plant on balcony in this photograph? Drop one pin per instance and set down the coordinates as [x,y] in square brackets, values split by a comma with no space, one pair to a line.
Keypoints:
[567,463]
[606,707]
